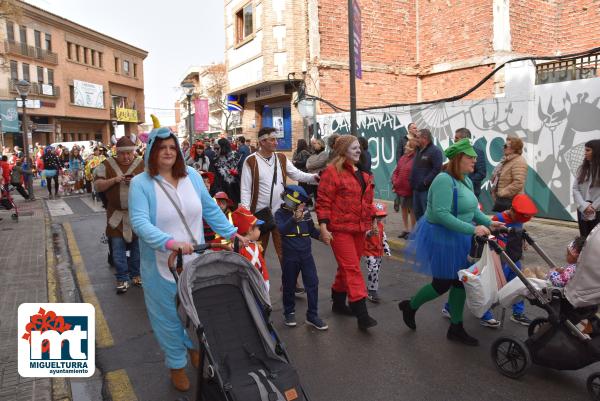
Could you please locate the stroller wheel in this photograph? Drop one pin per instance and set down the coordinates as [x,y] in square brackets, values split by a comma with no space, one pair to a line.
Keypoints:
[15,217]
[511,357]
[535,325]
[593,386]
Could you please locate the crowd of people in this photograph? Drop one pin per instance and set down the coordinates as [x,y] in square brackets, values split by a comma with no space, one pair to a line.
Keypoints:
[163,196]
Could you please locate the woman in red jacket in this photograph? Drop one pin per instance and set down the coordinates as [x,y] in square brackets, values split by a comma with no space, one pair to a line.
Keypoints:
[345,212]
[401,185]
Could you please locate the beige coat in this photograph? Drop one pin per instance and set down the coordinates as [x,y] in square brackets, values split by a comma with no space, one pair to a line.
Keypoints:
[512,177]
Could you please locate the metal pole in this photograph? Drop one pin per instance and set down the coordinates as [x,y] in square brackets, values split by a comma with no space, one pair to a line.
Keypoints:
[352,72]
[189,119]
[24,122]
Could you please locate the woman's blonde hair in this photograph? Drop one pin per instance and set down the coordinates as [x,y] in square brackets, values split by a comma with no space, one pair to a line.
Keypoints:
[338,161]
[413,143]
[516,144]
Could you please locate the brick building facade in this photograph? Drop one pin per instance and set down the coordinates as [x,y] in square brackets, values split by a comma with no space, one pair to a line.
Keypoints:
[60,57]
[412,50]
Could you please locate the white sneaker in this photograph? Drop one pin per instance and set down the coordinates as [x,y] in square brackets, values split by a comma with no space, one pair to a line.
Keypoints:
[491,323]
[446,313]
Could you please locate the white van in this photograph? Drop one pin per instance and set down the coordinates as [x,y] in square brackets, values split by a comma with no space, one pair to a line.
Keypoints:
[69,145]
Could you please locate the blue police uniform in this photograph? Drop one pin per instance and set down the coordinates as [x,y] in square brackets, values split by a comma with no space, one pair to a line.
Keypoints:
[297,257]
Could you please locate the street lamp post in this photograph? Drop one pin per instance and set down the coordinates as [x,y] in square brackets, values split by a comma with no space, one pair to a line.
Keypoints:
[307,109]
[23,87]
[188,89]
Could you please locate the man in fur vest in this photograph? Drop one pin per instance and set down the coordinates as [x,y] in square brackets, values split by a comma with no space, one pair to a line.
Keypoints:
[113,177]
[264,178]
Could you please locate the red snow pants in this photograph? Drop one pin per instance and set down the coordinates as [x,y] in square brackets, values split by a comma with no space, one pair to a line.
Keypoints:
[347,249]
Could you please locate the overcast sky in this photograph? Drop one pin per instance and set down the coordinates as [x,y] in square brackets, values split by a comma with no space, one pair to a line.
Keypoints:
[176,34]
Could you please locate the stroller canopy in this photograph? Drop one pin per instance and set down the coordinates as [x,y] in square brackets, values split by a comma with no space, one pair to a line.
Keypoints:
[584,288]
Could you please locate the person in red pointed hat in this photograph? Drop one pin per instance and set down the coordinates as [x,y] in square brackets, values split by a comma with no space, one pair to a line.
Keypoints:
[249,227]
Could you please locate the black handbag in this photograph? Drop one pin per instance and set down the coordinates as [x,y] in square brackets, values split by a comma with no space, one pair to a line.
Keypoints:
[265,214]
[502,204]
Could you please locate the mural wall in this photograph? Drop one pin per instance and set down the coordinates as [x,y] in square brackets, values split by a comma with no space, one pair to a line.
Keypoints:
[554,121]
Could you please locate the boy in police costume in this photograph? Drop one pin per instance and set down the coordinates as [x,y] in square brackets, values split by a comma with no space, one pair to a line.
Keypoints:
[296,228]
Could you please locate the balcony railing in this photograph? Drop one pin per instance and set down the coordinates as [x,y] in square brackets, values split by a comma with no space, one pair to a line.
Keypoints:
[36,89]
[37,53]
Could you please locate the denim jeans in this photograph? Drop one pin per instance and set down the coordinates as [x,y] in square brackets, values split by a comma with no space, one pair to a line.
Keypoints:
[127,267]
[419,203]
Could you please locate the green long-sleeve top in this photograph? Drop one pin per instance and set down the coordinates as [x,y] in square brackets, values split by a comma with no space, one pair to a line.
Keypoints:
[440,205]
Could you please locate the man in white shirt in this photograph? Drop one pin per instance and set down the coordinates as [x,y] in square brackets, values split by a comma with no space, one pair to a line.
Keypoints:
[263,180]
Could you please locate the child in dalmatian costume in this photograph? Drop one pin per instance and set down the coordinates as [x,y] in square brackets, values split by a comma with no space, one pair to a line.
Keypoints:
[376,246]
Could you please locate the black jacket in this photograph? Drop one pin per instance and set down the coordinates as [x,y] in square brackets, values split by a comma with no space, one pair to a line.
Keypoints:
[480,172]
[427,164]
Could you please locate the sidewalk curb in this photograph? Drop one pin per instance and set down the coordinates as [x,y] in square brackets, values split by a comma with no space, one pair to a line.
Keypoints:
[115,385]
[559,223]
[61,386]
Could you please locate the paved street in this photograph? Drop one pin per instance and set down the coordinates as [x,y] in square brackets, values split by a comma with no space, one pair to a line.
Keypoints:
[388,363]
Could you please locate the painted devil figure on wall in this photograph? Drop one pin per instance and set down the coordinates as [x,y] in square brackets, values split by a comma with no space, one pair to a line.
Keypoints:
[554,121]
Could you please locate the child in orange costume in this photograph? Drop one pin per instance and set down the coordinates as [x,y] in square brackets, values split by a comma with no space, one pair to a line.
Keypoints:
[248,226]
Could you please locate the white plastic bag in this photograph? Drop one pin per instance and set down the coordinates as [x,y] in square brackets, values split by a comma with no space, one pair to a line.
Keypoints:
[480,283]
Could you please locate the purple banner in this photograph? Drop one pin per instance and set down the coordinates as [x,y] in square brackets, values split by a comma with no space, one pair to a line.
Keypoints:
[357,26]
[201,115]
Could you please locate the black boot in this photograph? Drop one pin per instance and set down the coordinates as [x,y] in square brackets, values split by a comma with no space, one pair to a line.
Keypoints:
[457,333]
[408,314]
[362,315]
[339,304]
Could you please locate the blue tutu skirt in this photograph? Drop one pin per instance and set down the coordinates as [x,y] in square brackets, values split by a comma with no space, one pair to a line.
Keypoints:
[436,251]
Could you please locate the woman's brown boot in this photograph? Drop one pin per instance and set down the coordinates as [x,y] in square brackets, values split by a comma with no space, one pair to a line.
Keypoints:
[194,357]
[180,379]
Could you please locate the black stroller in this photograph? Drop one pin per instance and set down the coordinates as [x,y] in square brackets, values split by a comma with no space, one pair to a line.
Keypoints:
[7,202]
[555,342]
[225,309]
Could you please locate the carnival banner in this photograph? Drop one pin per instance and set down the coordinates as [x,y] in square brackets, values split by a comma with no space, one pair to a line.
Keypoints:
[88,94]
[9,115]
[201,115]
[127,115]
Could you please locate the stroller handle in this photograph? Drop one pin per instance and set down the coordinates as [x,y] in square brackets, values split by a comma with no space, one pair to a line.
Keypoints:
[175,261]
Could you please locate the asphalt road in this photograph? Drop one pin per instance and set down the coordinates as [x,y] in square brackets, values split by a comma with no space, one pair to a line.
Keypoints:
[390,362]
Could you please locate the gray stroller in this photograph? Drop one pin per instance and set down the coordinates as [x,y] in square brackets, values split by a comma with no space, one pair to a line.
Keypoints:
[225,308]
[554,341]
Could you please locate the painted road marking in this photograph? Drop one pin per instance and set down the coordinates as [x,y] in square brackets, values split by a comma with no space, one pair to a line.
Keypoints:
[95,206]
[103,336]
[396,244]
[60,388]
[58,207]
[119,386]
